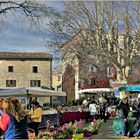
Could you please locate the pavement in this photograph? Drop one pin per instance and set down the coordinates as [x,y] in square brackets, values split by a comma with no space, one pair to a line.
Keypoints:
[106,132]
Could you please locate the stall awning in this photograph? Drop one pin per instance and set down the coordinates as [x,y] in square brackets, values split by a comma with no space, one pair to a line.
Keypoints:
[30,92]
[131,88]
[95,90]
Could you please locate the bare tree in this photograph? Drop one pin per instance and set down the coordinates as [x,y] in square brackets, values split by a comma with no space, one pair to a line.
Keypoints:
[25,11]
[114,31]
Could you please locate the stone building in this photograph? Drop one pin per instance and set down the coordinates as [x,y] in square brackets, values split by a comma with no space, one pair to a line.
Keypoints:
[81,72]
[89,71]
[26,69]
[134,73]
[57,79]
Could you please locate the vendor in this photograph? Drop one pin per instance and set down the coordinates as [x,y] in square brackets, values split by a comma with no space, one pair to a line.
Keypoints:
[36,116]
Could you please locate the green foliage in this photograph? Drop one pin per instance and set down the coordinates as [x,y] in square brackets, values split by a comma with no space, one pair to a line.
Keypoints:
[69,130]
[79,129]
[94,126]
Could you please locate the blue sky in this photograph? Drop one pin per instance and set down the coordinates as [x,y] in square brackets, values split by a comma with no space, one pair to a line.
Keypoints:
[22,37]
[17,37]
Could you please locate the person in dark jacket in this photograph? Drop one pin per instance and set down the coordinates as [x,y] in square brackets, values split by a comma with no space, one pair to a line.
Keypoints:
[14,120]
[122,114]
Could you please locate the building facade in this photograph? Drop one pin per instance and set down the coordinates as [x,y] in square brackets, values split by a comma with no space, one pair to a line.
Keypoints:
[25,70]
[83,68]
[81,72]
[57,79]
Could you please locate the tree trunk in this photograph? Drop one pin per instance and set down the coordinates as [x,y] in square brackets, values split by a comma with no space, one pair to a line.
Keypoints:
[122,74]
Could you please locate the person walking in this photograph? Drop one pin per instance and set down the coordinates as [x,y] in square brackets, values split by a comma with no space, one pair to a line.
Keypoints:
[102,108]
[138,120]
[93,109]
[122,114]
[14,119]
[36,116]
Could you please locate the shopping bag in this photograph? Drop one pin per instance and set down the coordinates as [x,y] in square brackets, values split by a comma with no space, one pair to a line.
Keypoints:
[116,127]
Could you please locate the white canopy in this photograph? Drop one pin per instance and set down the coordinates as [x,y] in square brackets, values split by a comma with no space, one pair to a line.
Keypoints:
[30,92]
[95,90]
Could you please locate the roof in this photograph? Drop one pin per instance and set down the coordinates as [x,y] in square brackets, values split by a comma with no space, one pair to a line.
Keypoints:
[25,55]
[80,32]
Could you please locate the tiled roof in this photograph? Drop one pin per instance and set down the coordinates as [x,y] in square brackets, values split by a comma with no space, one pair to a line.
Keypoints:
[25,55]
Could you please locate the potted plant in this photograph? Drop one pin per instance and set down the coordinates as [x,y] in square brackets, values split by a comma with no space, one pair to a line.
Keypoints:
[87,133]
[67,130]
[94,126]
[79,130]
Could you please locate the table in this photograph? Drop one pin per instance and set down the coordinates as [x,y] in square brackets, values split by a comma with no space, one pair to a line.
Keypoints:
[66,117]
[72,116]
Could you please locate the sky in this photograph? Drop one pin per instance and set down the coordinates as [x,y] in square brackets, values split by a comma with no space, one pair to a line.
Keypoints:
[22,37]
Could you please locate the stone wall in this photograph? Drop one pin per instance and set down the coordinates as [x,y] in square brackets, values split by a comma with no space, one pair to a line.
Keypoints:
[22,72]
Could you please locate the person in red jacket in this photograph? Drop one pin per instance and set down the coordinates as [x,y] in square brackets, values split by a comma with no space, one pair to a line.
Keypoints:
[14,119]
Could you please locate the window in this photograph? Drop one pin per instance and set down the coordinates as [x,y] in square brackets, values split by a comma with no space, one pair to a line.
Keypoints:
[93,81]
[35,83]
[58,78]
[35,69]
[10,83]
[59,88]
[109,71]
[10,69]
[92,69]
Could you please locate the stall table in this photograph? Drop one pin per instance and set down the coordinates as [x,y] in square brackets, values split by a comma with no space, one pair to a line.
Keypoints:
[65,118]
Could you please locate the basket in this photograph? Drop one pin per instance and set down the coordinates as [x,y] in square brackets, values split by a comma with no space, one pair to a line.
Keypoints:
[31,133]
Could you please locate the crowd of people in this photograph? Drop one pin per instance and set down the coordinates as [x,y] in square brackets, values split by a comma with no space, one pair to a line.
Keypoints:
[128,113]
[14,119]
[97,108]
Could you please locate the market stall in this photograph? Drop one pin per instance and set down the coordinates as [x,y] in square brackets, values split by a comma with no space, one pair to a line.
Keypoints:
[107,93]
[31,92]
[130,91]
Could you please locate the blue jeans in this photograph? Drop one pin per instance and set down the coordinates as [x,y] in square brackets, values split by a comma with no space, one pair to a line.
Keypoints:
[122,127]
[137,133]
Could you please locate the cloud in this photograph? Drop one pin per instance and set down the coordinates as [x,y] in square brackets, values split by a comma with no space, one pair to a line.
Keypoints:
[17,37]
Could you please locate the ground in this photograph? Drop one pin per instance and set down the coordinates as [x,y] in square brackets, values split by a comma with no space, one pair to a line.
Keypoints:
[106,132]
